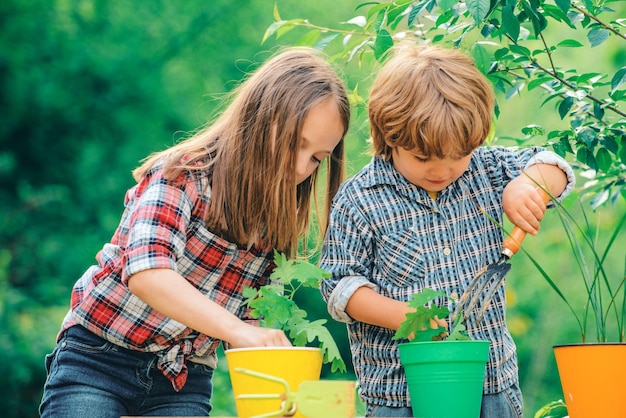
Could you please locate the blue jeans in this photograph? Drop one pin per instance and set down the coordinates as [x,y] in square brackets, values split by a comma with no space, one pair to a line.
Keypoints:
[505,404]
[91,377]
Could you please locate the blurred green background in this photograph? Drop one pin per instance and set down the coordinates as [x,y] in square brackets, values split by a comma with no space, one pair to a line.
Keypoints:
[90,87]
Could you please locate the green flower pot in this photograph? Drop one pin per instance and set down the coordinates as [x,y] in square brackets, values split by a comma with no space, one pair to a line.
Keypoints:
[445,378]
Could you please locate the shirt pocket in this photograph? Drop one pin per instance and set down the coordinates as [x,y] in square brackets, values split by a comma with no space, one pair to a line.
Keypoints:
[206,257]
[401,261]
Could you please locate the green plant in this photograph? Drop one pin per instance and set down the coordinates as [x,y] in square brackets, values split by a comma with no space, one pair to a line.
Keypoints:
[521,46]
[605,304]
[554,409]
[274,306]
[418,324]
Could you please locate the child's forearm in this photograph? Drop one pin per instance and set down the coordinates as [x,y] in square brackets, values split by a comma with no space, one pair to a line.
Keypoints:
[169,293]
[366,305]
[548,176]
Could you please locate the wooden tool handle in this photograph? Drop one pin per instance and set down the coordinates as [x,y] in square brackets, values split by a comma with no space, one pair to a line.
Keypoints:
[513,242]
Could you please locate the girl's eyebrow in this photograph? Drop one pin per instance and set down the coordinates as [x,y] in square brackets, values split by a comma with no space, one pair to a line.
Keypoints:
[309,142]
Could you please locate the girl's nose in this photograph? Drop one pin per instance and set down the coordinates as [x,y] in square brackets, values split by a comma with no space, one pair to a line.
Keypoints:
[301,170]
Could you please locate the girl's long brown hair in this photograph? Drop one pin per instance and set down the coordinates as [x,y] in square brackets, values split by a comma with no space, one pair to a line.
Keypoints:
[249,153]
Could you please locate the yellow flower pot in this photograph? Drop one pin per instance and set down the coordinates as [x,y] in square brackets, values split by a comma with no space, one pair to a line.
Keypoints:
[292,364]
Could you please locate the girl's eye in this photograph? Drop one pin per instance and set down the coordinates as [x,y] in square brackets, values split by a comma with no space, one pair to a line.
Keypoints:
[316,160]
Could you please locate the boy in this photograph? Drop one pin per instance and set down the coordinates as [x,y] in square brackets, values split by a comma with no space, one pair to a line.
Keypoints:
[418,215]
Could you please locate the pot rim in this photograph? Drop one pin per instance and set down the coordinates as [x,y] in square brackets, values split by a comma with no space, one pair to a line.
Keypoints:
[236,350]
[589,344]
[446,342]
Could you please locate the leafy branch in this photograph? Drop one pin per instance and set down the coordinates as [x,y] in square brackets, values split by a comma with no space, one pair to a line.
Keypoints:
[501,36]
[274,306]
[419,325]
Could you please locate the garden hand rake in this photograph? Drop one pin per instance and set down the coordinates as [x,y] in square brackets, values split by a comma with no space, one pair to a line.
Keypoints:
[484,285]
[314,398]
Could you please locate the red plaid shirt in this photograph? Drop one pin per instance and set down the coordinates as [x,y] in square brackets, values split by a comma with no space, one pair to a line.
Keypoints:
[163,227]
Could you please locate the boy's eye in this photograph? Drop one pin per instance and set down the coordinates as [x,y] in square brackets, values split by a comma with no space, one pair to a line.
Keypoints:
[421,158]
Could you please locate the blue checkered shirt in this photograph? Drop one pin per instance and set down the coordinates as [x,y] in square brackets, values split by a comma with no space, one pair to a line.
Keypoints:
[390,235]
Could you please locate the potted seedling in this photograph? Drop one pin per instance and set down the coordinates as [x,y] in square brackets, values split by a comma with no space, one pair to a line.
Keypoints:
[592,370]
[263,377]
[438,361]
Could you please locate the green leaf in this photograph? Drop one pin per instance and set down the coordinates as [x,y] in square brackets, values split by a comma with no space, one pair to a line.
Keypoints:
[610,143]
[585,156]
[563,146]
[569,43]
[359,21]
[588,136]
[533,130]
[383,42]
[478,9]
[302,271]
[618,79]
[459,332]
[307,332]
[622,149]
[597,36]
[280,28]
[417,323]
[510,23]
[276,308]
[538,82]
[249,293]
[272,309]
[415,11]
[604,159]
[309,38]
[537,19]
[446,5]
[271,30]
[323,43]
[275,13]
[522,50]
[425,296]
[565,106]
[557,14]
[563,5]
[555,409]
[598,111]
[482,58]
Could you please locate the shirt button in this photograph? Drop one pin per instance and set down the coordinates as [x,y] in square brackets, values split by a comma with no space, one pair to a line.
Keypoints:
[63,344]
[454,296]
[447,251]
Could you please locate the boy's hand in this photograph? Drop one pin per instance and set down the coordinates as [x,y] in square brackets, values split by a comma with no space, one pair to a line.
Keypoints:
[523,204]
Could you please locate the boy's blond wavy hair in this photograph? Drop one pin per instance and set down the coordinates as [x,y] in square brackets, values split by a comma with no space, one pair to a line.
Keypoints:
[249,153]
[432,100]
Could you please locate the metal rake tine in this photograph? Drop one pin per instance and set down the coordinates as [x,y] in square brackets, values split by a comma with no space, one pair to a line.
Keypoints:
[467,293]
[476,293]
[493,287]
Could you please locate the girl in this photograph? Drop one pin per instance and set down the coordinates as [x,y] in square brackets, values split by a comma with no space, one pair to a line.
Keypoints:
[200,224]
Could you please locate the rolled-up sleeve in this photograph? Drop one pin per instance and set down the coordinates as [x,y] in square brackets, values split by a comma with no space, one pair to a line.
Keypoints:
[157,228]
[342,293]
[549,157]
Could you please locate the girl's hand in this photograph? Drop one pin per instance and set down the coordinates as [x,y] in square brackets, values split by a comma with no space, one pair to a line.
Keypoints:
[248,335]
[523,204]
